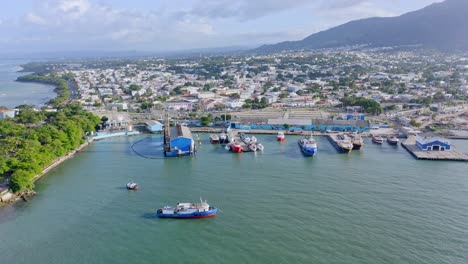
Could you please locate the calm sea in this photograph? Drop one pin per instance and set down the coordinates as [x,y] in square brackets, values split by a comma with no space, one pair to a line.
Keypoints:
[378,205]
[14,93]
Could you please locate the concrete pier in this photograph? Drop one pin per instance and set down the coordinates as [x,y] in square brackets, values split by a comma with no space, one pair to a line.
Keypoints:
[452,155]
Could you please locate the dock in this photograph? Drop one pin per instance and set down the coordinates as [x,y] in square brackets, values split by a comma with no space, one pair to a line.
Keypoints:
[415,151]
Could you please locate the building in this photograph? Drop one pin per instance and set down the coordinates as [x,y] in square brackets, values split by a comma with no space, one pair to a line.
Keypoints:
[355,116]
[5,113]
[428,143]
[154,126]
[181,142]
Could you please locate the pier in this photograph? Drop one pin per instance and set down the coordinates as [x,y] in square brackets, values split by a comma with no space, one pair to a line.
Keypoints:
[415,151]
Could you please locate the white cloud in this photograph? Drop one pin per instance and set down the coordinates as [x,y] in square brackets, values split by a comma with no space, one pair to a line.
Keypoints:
[34,19]
[175,24]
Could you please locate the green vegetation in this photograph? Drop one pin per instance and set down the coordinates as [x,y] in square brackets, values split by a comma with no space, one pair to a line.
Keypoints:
[369,105]
[62,88]
[255,103]
[34,139]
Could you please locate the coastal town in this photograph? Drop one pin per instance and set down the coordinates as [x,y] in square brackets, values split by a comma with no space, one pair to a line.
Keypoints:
[421,90]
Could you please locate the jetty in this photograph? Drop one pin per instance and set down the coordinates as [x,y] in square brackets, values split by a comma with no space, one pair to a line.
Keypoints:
[447,155]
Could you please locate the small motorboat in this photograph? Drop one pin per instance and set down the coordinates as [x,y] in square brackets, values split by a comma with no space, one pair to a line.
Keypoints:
[377,139]
[214,139]
[260,147]
[280,136]
[132,186]
[393,140]
[253,147]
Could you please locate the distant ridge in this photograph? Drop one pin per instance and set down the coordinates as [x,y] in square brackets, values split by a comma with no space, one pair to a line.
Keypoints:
[442,26]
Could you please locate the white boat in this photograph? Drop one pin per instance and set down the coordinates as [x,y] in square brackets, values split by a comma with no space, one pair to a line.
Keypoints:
[260,147]
[253,147]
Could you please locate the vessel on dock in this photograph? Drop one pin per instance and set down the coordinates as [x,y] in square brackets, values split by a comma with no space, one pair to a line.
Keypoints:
[357,141]
[308,146]
[377,139]
[393,140]
[214,139]
[280,136]
[341,142]
[188,211]
[178,140]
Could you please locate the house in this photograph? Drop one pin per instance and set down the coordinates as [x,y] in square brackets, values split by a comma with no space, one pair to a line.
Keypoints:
[428,143]
[5,113]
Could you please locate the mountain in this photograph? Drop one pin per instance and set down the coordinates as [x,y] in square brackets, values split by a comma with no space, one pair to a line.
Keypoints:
[441,25]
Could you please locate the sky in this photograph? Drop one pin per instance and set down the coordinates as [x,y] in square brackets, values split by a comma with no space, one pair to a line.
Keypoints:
[170,25]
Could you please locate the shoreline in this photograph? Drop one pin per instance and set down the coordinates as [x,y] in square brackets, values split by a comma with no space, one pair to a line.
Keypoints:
[7,197]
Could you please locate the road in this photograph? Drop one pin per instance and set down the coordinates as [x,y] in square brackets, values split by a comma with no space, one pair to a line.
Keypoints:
[73,90]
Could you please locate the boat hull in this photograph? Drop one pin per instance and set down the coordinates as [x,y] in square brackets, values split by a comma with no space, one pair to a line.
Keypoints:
[237,149]
[195,215]
[391,142]
[357,146]
[214,142]
[309,152]
[338,147]
[376,141]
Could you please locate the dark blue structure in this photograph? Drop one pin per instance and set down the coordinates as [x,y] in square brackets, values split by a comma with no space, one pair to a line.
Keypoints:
[432,144]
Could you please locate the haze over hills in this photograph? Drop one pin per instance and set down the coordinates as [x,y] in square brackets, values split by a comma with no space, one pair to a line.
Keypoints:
[442,26]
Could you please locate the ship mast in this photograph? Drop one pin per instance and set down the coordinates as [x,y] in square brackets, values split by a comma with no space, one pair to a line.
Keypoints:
[167,133]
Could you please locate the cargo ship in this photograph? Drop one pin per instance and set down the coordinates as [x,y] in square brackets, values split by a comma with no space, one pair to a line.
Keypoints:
[188,211]
[341,143]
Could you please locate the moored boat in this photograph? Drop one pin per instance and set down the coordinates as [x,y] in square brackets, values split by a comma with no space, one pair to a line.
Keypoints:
[132,186]
[341,143]
[223,138]
[308,146]
[214,139]
[260,147]
[377,139]
[188,211]
[357,141]
[236,147]
[393,140]
[253,147]
[280,136]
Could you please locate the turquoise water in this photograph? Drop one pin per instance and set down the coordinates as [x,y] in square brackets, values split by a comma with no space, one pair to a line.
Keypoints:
[378,205]
[14,93]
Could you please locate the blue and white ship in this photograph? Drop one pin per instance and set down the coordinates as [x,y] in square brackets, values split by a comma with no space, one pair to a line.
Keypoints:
[308,146]
[188,211]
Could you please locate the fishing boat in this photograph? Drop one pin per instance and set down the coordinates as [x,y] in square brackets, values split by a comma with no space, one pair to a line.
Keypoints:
[236,147]
[340,142]
[377,139]
[223,138]
[308,146]
[188,211]
[214,139]
[132,186]
[393,140]
[280,136]
[357,141]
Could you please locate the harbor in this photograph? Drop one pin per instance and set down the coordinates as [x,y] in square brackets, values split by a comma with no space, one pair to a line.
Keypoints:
[381,187]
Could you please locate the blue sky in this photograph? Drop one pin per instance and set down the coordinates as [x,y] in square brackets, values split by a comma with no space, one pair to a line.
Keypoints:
[163,25]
